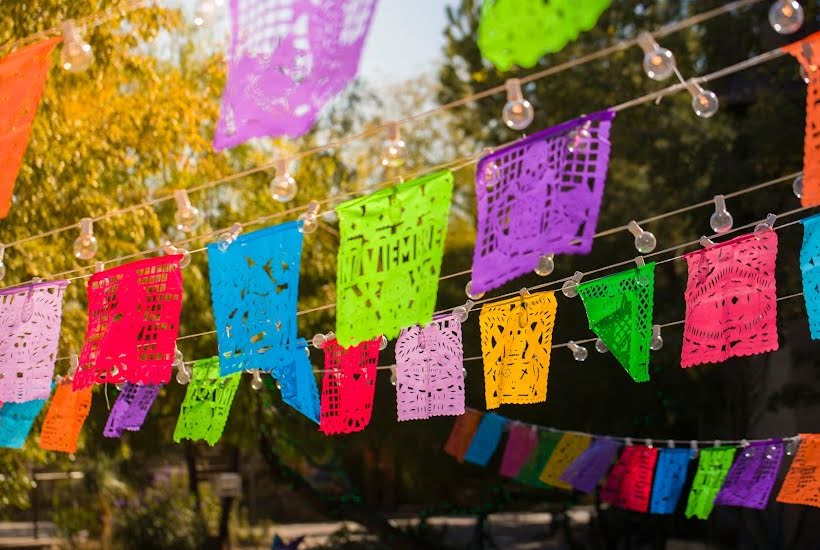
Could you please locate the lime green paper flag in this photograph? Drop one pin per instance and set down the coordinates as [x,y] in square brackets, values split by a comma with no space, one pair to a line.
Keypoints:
[207,402]
[531,470]
[619,309]
[713,466]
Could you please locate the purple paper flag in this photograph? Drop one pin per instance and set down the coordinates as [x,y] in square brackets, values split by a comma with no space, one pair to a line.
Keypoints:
[288,58]
[130,409]
[587,470]
[750,481]
[520,445]
[539,196]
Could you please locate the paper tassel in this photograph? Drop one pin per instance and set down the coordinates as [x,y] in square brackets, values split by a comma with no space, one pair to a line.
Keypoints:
[569,447]
[530,473]
[430,370]
[65,418]
[254,289]
[461,435]
[390,251]
[807,52]
[130,409]
[348,386]
[16,420]
[619,309]
[670,475]
[207,403]
[516,340]
[133,323]
[535,198]
[713,465]
[287,60]
[630,481]
[752,476]
[30,317]
[586,471]
[731,306]
[486,439]
[298,386]
[802,483]
[22,81]
[810,268]
[520,445]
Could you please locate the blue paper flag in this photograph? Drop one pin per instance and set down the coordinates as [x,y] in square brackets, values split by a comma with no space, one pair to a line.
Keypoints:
[298,386]
[486,439]
[810,268]
[254,289]
[670,475]
[16,420]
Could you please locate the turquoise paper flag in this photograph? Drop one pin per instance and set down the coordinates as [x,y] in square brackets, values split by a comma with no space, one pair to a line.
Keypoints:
[486,439]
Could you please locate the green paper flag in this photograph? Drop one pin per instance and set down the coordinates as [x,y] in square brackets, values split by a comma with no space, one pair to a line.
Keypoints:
[713,466]
[619,309]
[530,472]
[207,402]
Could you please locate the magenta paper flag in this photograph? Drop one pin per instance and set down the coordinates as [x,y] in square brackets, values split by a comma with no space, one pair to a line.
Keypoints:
[539,196]
[520,445]
[630,481]
[752,476]
[130,409]
[731,306]
[30,318]
[587,470]
[430,370]
[287,59]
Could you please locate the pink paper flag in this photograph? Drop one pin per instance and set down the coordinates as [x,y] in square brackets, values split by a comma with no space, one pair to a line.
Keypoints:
[520,445]
[348,386]
[630,482]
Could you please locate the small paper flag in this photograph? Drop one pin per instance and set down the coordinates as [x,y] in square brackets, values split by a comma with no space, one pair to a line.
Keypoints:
[130,409]
[630,481]
[65,418]
[802,483]
[348,386]
[670,475]
[298,385]
[713,465]
[531,471]
[569,447]
[16,420]
[520,445]
[586,471]
[462,433]
[810,268]
[752,476]
[486,439]
[516,340]
[207,403]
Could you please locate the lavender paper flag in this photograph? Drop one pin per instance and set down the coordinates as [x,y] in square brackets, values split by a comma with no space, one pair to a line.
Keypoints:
[539,196]
[750,481]
[130,409]
[587,470]
[670,475]
[287,59]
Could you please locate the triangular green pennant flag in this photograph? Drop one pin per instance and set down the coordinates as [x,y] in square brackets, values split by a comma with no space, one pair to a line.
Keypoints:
[531,470]
[619,309]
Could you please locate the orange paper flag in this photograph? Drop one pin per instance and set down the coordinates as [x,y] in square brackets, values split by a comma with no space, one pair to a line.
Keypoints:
[462,435]
[65,418]
[22,80]
[802,483]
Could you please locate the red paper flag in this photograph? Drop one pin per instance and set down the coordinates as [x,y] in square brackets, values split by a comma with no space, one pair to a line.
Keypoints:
[630,482]
[348,386]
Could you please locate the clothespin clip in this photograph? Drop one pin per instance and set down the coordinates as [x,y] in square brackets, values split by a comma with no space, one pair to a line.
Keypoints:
[639,261]
[670,443]
[716,443]
[628,441]
[524,292]
[99,266]
[706,242]
[693,445]
[393,376]
[792,445]
[648,443]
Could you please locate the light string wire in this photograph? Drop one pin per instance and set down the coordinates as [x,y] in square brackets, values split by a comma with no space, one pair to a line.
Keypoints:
[618,46]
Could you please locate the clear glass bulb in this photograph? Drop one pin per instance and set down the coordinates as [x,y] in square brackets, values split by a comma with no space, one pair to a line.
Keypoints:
[492,175]
[319,340]
[518,112]
[470,294]
[579,353]
[659,64]
[645,241]
[85,246]
[570,289]
[283,186]
[656,342]
[187,217]
[394,150]
[309,220]
[256,381]
[183,376]
[76,55]
[206,12]
[461,313]
[545,265]
[705,103]
[721,220]
[383,342]
[797,187]
[178,358]
[786,16]
[578,139]
[2,264]
[765,226]
[600,346]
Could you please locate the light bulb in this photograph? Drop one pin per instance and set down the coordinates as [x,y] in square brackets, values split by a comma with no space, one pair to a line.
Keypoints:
[187,217]
[2,264]
[470,294]
[645,241]
[319,340]
[183,376]
[570,286]
[178,358]
[383,342]
[656,342]
[721,221]
[545,265]
[85,246]
[518,112]
[256,381]
[463,312]
[797,186]
[283,186]
[170,249]
[704,103]
[393,377]
[658,62]
[309,220]
[394,151]
[786,16]
[206,12]
[600,346]
[764,227]
[228,237]
[578,138]
[579,353]
[492,175]
[76,55]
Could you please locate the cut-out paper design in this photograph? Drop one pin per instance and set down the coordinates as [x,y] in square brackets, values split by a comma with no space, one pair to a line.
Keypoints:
[299,389]
[65,418]
[486,439]
[207,403]
[287,59]
[390,251]
[569,447]
[254,290]
[520,32]
[22,81]
[516,340]
[752,476]
[348,386]
[807,52]
[587,470]
[16,420]
[619,309]
[520,445]
[670,475]
[461,435]
[133,323]
[30,317]
[530,472]
[630,481]
[430,370]
[535,197]
[713,465]
[810,268]
[731,306]
[802,483]
[130,409]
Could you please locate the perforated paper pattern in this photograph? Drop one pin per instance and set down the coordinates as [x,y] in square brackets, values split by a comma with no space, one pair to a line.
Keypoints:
[348,386]
[535,197]
[430,370]
[586,471]
[462,433]
[520,32]
[731,305]
[713,465]
[254,291]
[287,59]
[670,475]
[130,409]
[390,251]
[569,447]
[298,386]
[30,318]
[16,420]
[516,340]
[486,439]
[65,418]
[810,269]
[802,483]
[207,403]
[530,472]
[133,323]
[22,81]
[520,445]
[630,482]
[752,476]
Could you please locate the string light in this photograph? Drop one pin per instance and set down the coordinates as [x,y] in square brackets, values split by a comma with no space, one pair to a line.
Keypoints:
[76,55]
[797,186]
[187,216]
[656,342]
[394,151]
[228,237]
[170,249]
[658,63]
[462,313]
[85,246]
[765,226]
[645,241]
[704,102]
[600,346]
[256,382]
[786,16]
[283,187]
[470,294]
[518,112]
[578,138]
[721,220]
[309,220]
[2,264]
[545,265]
[570,286]
[206,11]
[579,353]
